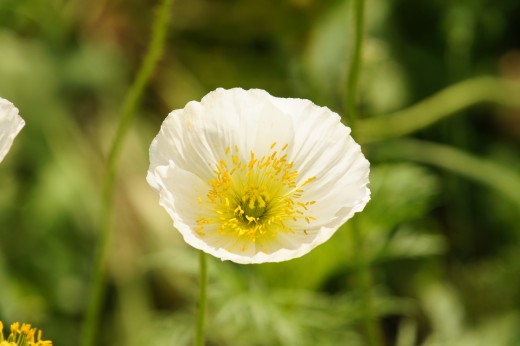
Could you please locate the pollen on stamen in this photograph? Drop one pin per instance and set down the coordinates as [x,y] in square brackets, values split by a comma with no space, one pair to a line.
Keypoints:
[311,179]
[255,200]
[199,231]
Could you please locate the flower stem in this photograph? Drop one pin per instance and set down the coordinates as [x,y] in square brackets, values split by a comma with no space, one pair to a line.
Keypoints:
[449,101]
[355,63]
[129,105]
[365,283]
[201,313]
[364,275]
[503,180]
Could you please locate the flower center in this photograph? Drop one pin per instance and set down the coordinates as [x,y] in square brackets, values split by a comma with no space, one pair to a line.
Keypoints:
[252,205]
[256,199]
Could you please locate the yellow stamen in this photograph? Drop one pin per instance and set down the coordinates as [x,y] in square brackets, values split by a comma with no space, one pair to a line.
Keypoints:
[254,200]
[22,335]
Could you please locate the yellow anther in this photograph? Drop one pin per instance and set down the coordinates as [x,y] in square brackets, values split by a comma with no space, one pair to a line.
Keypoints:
[255,199]
[311,179]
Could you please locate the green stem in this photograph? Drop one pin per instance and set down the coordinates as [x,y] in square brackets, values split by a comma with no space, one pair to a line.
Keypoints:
[441,105]
[364,275]
[503,180]
[129,105]
[365,284]
[201,313]
[355,63]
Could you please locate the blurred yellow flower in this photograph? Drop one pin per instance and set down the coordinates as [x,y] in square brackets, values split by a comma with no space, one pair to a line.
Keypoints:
[253,178]
[22,335]
[10,124]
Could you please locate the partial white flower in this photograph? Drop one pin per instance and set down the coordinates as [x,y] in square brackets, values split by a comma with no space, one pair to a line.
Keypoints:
[10,124]
[253,178]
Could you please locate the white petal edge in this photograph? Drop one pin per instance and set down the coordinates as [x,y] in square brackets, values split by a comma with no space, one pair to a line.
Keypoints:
[10,125]
[328,151]
[201,131]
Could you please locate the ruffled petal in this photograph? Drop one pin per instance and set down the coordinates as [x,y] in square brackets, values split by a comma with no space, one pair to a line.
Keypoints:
[196,137]
[294,159]
[10,125]
[323,148]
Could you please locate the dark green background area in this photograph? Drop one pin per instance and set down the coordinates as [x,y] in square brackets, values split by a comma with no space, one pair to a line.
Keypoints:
[441,233]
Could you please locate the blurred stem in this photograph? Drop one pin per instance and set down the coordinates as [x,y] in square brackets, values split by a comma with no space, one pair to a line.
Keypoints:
[201,314]
[364,275]
[355,63]
[365,285]
[438,106]
[489,173]
[129,105]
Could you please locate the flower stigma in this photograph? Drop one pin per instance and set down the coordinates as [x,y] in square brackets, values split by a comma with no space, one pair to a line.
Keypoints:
[253,200]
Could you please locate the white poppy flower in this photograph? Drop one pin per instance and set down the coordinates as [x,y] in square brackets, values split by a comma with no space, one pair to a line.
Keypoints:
[253,178]
[10,124]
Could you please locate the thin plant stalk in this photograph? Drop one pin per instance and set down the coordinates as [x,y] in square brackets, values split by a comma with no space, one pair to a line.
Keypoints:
[201,311]
[364,275]
[132,98]
[355,64]
[449,101]
[502,179]
[365,283]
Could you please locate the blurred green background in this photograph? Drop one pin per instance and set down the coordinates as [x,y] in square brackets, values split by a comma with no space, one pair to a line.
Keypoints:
[441,234]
